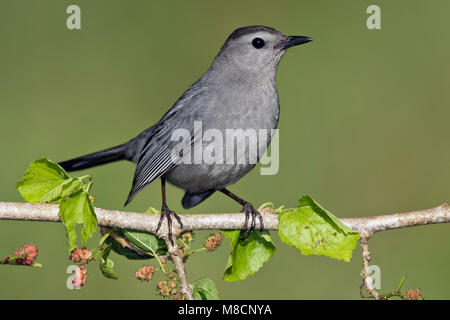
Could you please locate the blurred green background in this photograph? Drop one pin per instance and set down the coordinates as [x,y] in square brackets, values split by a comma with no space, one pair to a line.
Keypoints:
[364,130]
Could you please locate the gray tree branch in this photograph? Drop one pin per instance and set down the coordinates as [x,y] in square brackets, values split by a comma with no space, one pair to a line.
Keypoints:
[178,264]
[366,226]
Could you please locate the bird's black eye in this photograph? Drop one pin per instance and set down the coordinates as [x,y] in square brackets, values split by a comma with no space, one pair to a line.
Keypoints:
[258,43]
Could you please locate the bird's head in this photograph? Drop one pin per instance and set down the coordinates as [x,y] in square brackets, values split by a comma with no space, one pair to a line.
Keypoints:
[257,48]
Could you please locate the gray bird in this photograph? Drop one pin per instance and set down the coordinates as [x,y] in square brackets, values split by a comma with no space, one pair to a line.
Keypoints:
[238,91]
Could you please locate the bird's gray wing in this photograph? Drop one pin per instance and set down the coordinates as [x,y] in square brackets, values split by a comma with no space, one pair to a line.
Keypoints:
[157,155]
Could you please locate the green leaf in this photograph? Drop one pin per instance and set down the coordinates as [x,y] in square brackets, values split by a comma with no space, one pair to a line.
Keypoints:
[314,230]
[44,180]
[106,264]
[145,241]
[153,210]
[64,189]
[126,252]
[78,209]
[205,289]
[270,206]
[247,256]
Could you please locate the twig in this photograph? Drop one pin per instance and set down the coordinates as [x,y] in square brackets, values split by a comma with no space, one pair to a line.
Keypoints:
[365,272]
[178,264]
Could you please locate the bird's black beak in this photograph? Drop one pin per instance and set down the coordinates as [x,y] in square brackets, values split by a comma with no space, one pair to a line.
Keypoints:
[294,41]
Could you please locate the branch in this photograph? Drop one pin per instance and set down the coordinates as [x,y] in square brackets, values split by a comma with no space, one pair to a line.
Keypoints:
[365,226]
[365,272]
[178,264]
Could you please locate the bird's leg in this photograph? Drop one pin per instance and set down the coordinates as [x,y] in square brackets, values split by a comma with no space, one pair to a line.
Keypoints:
[249,210]
[166,212]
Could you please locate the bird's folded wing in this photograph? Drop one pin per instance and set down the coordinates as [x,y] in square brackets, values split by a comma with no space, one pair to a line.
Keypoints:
[150,167]
[160,153]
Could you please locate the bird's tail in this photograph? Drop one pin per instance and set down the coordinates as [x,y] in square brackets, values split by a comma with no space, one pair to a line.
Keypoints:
[95,159]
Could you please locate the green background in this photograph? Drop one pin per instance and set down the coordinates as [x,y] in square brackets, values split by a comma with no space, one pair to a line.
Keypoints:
[363,130]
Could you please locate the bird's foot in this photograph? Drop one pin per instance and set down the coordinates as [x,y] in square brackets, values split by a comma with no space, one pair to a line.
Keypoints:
[166,212]
[249,210]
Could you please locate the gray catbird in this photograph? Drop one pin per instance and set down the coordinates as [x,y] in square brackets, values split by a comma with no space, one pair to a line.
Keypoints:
[238,91]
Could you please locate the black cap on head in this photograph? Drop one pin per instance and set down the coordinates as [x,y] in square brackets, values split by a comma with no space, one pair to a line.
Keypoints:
[251,29]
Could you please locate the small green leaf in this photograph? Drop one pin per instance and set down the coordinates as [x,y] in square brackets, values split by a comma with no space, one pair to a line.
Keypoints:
[78,209]
[145,241]
[104,238]
[106,264]
[270,206]
[153,210]
[205,289]
[249,255]
[126,252]
[313,230]
[265,205]
[40,181]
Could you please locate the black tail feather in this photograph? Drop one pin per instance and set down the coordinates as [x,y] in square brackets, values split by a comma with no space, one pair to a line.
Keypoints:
[95,159]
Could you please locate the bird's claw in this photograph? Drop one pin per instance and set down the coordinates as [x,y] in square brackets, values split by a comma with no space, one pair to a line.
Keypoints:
[166,212]
[249,210]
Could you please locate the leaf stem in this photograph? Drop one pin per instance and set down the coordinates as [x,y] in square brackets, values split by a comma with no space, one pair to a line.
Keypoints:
[88,176]
[183,243]
[401,282]
[159,261]
[195,250]
[9,259]
[397,291]
[103,239]
[88,187]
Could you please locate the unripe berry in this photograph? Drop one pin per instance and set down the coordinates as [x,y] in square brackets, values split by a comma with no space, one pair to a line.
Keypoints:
[80,276]
[145,273]
[213,242]
[82,256]
[414,294]
[27,253]
[187,236]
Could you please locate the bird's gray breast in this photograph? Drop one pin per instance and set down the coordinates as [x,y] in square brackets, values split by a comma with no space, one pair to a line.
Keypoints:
[236,122]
